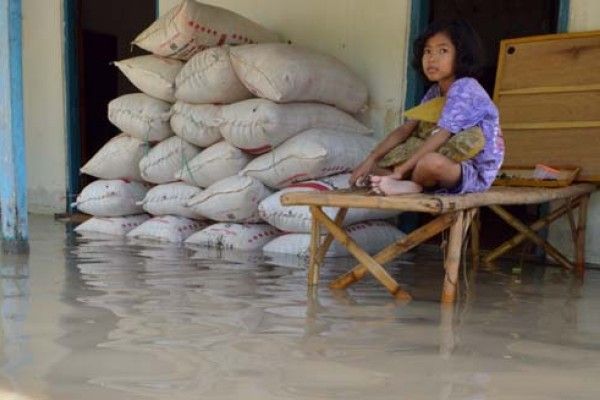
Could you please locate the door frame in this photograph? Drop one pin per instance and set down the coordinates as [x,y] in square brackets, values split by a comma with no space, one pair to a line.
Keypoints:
[72,101]
[419,16]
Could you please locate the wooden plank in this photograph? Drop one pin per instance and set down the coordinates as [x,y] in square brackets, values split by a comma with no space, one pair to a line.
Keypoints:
[558,147]
[13,185]
[553,107]
[374,268]
[452,263]
[551,89]
[551,125]
[537,63]
[415,238]
[438,203]
[531,235]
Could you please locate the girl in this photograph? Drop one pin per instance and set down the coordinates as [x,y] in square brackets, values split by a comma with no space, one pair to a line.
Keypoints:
[448,53]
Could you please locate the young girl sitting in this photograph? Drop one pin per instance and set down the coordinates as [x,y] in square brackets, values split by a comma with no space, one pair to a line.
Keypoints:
[448,53]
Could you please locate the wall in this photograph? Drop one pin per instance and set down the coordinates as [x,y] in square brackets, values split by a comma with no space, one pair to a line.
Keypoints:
[369,36]
[43,92]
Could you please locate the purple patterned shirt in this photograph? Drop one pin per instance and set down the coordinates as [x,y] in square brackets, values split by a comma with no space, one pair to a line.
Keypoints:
[468,105]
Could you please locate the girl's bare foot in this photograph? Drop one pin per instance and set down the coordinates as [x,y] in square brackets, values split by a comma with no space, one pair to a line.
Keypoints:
[387,185]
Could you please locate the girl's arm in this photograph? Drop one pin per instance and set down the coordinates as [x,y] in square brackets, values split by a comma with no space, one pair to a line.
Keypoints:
[395,137]
[431,145]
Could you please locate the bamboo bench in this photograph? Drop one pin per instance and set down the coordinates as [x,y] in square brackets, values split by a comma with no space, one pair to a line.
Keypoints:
[456,213]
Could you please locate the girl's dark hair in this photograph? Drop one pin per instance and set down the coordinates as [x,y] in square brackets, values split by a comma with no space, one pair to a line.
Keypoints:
[469,53]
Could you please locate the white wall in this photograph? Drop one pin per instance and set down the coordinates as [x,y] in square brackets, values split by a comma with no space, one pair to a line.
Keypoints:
[369,36]
[43,91]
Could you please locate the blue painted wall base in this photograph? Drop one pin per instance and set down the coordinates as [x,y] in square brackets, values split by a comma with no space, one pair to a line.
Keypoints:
[13,176]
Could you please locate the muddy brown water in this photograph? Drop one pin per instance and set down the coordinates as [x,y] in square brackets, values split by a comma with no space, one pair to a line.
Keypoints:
[103,319]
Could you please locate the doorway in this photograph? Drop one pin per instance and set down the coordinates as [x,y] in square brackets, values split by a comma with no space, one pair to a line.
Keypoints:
[494,20]
[97,32]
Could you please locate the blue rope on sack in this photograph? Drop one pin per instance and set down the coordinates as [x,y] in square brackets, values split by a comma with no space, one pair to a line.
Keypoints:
[185,164]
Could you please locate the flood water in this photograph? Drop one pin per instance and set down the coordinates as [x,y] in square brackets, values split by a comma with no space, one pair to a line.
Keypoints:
[104,319]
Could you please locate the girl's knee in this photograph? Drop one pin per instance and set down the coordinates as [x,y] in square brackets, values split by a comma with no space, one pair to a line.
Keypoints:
[433,164]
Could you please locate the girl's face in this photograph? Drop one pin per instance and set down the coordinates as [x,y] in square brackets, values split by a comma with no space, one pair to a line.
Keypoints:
[439,55]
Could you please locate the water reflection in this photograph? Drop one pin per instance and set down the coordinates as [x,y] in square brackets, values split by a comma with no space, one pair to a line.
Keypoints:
[154,321]
[14,292]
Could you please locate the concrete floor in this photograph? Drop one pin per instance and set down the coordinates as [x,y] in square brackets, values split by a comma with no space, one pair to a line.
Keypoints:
[99,319]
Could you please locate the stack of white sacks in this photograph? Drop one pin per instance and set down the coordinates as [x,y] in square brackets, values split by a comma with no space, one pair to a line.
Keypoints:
[220,132]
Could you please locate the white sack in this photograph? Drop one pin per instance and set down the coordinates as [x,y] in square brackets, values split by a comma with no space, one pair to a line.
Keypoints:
[371,236]
[289,73]
[152,74]
[234,236]
[111,198]
[166,158]
[233,199]
[116,226]
[257,125]
[119,158]
[298,218]
[197,124]
[217,162]
[170,199]
[208,77]
[167,228]
[313,154]
[141,116]
[191,27]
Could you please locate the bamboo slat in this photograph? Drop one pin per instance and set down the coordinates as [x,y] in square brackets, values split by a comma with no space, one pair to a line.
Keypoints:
[437,204]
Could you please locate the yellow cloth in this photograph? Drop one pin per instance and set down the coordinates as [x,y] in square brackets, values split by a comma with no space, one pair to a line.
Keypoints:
[430,111]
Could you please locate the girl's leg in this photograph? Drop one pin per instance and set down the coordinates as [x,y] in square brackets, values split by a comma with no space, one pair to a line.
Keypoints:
[435,169]
[432,169]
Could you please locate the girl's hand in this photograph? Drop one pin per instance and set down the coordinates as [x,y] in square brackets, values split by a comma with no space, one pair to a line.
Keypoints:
[362,170]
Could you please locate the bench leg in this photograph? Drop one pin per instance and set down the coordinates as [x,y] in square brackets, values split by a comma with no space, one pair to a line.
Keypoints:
[475,243]
[362,256]
[580,236]
[315,242]
[318,250]
[414,239]
[536,226]
[531,235]
[452,262]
